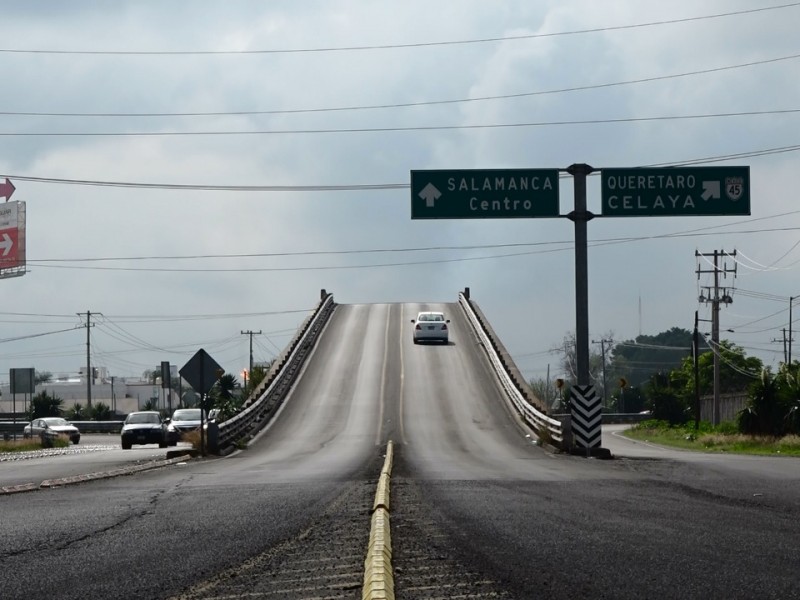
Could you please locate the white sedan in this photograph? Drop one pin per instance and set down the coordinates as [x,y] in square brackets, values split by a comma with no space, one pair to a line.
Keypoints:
[430,326]
[50,428]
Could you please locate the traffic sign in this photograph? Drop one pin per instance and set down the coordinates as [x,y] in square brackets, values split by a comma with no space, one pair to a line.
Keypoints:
[12,237]
[484,194]
[201,372]
[673,191]
[6,189]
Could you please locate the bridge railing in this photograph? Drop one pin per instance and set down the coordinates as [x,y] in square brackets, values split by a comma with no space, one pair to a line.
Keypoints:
[269,395]
[547,427]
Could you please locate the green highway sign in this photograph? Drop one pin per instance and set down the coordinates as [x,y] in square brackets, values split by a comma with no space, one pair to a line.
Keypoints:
[484,194]
[676,191]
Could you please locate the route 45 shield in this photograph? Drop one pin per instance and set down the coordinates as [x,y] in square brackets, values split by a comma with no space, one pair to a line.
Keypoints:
[734,187]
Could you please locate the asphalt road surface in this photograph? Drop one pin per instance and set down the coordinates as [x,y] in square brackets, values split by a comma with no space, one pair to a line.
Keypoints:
[478,510]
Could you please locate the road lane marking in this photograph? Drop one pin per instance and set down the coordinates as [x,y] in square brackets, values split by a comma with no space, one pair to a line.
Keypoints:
[400,417]
[383,375]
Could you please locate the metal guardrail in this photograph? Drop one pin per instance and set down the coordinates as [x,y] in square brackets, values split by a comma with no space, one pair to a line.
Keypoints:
[279,380]
[83,426]
[545,425]
[11,429]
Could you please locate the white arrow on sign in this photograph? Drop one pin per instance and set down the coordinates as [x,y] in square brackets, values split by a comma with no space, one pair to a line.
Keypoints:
[6,244]
[710,190]
[430,193]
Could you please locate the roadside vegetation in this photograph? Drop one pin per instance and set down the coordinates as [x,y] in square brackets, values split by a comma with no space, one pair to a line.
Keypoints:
[660,375]
[707,438]
[29,445]
[768,424]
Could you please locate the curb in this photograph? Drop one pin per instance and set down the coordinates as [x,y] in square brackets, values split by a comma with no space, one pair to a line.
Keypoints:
[63,481]
[378,578]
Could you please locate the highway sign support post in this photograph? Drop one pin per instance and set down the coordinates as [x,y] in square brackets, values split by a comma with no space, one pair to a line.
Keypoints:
[585,404]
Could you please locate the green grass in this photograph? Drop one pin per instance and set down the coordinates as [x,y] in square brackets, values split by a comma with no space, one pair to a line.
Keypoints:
[21,445]
[722,439]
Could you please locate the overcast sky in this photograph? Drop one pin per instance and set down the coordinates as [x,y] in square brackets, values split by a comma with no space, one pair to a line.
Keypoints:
[602,83]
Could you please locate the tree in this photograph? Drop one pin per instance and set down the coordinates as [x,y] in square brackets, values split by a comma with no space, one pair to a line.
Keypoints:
[629,399]
[223,396]
[569,363]
[638,360]
[151,375]
[668,401]
[547,392]
[42,377]
[44,405]
[737,371]
[774,404]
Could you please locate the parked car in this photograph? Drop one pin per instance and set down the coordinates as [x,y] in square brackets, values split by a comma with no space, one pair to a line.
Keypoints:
[183,421]
[430,326]
[144,427]
[50,428]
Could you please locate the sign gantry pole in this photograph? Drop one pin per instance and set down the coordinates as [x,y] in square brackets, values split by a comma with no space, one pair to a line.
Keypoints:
[580,216]
[585,405]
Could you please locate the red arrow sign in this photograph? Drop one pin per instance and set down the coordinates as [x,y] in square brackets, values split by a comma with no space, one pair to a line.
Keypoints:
[9,249]
[7,189]
[6,243]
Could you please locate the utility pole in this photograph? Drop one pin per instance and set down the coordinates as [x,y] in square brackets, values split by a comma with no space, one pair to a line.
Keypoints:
[603,343]
[791,300]
[785,353]
[696,362]
[88,359]
[716,298]
[251,334]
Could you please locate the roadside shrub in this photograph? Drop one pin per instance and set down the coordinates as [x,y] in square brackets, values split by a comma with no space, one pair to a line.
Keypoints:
[768,407]
[31,445]
[44,405]
[100,412]
[793,420]
[76,413]
[669,406]
[726,428]
[747,421]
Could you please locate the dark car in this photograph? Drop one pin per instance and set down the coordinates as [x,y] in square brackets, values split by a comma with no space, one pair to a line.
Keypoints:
[183,421]
[51,428]
[145,427]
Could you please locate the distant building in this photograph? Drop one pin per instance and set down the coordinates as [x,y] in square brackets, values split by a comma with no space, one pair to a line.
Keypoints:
[120,395]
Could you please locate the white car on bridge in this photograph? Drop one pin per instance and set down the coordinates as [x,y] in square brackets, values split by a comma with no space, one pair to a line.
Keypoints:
[430,327]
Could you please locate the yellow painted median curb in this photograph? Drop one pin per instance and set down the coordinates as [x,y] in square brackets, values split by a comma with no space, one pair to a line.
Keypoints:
[378,578]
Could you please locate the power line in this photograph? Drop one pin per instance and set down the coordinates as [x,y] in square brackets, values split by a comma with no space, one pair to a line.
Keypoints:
[219,188]
[36,335]
[717,348]
[387,129]
[761,295]
[610,241]
[398,46]
[239,113]
[346,187]
[161,318]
